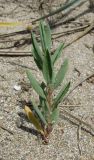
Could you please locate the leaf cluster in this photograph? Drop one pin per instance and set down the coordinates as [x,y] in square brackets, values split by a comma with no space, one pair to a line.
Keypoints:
[46,113]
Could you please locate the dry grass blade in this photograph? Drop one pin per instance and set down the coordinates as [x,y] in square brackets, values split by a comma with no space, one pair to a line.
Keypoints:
[80,83]
[9,131]
[78,138]
[10,24]
[88,29]
[75,120]
[64,7]
[22,53]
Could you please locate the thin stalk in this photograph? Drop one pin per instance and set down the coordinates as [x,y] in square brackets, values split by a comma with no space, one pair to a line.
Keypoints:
[58,10]
[49,95]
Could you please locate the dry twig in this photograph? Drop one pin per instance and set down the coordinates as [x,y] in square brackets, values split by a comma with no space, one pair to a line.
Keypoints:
[85,126]
[80,83]
[21,53]
[87,30]
[9,131]
[75,120]
[78,138]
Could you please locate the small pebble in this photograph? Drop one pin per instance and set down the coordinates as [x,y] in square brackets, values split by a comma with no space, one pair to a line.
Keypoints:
[17,87]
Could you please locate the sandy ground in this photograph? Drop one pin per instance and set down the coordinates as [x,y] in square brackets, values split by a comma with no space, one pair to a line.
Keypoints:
[24,145]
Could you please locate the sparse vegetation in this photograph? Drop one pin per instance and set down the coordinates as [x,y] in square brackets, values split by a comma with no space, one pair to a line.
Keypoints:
[46,113]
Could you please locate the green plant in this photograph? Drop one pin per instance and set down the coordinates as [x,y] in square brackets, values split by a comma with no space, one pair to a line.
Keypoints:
[46,113]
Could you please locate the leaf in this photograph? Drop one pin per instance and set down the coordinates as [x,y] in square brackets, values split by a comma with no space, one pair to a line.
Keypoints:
[45,35]
[47,67]
[39,113]
[61,95]
[57,53]
[33,119]
[39,65]
[35,84]
[55,115]
[42,105]
[36,51]
[42,35]
[48,36]
[61,73]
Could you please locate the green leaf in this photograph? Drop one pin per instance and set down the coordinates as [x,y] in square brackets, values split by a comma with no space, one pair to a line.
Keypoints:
[55,115]
[45,35]
[43,103]
[36,51]
[42,36]
[33,119]
[48,36]
[39,113]
[61,73]
[47,67]
[61,95]
[35,84]
[38,64]
[57,53]
[43,106]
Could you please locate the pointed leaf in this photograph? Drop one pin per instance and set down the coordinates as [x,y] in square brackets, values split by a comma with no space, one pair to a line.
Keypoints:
[36,50]
[45,35]
[61,73]
[39,65]
[33,119]
[39,113]
[47,68]
[61,95]
[43,107]
[35,84]
[57,53]
[55,115]
[42,36]
[48,36]
[43,104]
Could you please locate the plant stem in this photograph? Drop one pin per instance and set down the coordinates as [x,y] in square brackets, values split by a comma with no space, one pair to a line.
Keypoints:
[49,95]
